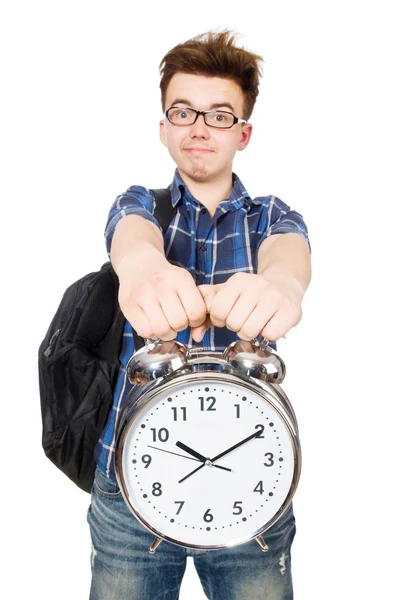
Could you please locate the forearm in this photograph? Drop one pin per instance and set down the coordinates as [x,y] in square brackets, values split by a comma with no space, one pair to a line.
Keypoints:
[286,256]
[136,242]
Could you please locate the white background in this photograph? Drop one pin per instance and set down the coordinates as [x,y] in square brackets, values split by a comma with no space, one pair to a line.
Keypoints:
[79,124]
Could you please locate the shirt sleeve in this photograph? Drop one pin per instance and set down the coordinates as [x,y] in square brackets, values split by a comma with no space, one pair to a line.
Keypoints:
[136,200]
[277,217]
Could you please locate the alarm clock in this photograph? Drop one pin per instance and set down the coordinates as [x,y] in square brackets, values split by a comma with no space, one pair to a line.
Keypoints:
[207,451]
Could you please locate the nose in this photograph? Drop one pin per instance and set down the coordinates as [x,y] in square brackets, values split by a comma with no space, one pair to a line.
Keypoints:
[199,128]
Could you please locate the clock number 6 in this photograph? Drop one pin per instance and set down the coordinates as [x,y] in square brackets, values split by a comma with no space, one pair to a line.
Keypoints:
[208,517]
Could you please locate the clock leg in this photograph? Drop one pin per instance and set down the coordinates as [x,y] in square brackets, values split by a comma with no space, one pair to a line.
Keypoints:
[155,545]
[262,543]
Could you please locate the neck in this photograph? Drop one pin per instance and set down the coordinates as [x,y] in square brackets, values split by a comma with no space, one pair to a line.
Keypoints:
[211,192]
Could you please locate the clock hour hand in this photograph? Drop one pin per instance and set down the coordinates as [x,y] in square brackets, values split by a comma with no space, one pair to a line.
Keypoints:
[244,441]
[191,451]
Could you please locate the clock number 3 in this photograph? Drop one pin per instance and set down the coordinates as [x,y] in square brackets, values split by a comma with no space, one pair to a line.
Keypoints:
[270,458]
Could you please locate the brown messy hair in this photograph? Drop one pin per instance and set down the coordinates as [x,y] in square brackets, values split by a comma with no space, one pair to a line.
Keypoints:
[214,54]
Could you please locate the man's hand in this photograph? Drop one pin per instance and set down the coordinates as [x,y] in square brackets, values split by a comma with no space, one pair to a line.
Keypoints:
[253,304]
[159,299]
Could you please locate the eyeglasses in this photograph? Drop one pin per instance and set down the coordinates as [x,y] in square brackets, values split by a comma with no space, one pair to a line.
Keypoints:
[221,119]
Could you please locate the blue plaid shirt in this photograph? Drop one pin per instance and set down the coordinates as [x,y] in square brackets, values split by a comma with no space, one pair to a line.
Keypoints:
[211,249]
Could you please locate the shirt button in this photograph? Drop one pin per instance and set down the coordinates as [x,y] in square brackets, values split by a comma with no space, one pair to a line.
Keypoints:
[203,211]
[203,247]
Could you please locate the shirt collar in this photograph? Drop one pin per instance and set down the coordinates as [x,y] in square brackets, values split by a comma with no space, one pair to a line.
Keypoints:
[236,200]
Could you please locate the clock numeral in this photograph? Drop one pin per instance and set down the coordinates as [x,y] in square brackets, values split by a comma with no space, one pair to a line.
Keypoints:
[237,410]
[175,410]
[208,517]
[259,487]
[181,502]
[156,489]
[238,508]
[209,399]
[162,434]
[270,458]
[146,459]
[262,429]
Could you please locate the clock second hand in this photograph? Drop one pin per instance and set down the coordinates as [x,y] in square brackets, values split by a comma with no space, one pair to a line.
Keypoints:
[188,457]
[175,453]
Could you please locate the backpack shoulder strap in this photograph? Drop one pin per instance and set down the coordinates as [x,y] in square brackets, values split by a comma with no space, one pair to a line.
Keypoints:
[164,212]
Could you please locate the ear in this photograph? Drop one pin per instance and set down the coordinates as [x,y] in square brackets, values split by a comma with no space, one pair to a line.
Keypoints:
[162,133]
[246,133]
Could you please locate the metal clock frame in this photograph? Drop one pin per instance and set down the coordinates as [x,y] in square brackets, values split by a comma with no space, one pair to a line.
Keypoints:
[140,396]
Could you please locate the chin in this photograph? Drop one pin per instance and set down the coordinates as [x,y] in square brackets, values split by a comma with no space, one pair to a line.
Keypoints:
[199,174]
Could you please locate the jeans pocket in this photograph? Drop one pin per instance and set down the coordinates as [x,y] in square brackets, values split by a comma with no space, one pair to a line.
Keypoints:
[104,486]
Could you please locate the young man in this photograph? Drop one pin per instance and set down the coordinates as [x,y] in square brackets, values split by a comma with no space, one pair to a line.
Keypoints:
[228,266]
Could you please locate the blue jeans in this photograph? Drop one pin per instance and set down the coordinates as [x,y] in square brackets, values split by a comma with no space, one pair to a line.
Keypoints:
[123,569]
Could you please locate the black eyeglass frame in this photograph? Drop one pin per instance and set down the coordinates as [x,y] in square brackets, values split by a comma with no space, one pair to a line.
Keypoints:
[204,113]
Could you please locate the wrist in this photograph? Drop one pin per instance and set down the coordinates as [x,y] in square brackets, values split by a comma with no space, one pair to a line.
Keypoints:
[284,278]
[147,258]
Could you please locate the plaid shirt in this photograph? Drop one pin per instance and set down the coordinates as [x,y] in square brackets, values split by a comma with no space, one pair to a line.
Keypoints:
[211,249]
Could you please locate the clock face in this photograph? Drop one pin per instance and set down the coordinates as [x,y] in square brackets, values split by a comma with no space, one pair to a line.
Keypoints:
[207,462]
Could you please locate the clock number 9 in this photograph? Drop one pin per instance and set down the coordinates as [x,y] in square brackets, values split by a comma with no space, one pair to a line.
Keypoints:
[146,459]
[208,517]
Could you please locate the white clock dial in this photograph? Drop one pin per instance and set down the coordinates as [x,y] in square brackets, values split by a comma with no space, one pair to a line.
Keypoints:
[227,499]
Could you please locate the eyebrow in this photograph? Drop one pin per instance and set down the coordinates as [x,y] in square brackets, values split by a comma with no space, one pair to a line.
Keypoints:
[213,106]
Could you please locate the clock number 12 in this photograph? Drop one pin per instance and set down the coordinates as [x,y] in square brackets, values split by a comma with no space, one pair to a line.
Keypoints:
[209,399]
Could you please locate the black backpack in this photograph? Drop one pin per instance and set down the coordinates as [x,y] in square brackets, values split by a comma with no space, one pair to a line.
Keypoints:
[79,364]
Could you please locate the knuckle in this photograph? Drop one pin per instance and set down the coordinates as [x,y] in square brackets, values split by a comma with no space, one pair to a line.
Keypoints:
[240,276]
[248,333]
[179,324]
[195,318]
[271,333]
[142,330]
[163,330]
[232,324]
[156,278]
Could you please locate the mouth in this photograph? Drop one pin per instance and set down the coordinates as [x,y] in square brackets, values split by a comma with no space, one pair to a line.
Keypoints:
[198,151]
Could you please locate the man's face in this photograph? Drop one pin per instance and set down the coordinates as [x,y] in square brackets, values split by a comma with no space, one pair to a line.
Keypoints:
[203,153]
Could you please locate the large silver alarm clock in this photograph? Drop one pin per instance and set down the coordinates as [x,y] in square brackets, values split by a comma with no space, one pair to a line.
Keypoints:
[208,453]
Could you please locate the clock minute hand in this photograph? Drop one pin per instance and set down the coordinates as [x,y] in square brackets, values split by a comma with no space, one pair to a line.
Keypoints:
[247,439]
